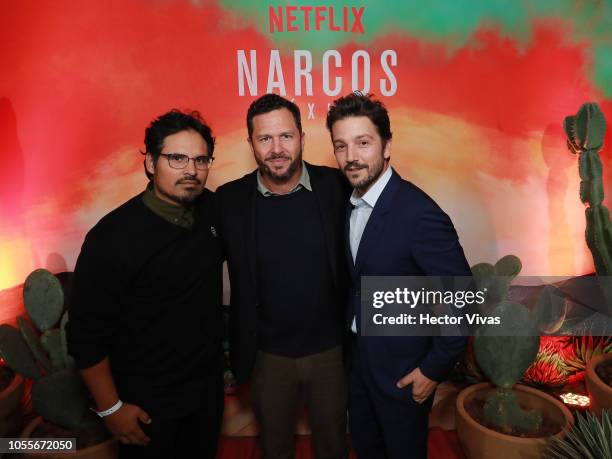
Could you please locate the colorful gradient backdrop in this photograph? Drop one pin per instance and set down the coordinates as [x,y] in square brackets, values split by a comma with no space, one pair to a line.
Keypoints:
[483,87]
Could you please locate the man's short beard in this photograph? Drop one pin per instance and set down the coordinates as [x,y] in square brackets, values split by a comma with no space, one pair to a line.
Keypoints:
[374,173]
[186,199]
[282,178]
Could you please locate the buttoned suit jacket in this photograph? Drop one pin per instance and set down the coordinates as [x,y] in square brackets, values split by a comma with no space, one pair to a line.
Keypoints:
[407,234]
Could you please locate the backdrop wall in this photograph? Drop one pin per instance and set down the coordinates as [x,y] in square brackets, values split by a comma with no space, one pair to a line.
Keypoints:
[477,92]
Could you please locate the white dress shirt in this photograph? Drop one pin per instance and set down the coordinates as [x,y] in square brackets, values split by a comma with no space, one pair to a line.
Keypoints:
[363,207]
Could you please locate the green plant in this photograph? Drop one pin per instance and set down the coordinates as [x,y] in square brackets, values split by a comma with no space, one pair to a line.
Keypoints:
[585,348]
[57,392]
[585,134]
[590,438]
[504,359]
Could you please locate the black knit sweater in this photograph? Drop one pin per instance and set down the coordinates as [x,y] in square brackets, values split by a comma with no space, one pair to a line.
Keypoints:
[298,314]
[147,294]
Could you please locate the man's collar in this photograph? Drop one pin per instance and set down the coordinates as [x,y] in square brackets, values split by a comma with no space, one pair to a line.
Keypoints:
[372,195]
[181,216]
[304,182]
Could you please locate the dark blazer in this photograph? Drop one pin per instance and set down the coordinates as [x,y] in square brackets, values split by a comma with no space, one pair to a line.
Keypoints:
[236,202]
[407,235]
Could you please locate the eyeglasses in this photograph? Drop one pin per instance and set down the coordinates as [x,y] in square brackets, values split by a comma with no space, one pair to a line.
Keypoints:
[180,161]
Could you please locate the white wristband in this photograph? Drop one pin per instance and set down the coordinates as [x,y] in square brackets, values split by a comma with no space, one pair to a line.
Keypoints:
[111,410]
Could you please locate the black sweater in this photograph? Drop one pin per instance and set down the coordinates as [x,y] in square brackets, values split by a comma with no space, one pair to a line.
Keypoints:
[299,315]
[147,294]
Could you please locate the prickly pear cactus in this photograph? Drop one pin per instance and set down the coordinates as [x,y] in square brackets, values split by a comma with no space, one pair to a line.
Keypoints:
[43,298]
[504,359]
[58,394]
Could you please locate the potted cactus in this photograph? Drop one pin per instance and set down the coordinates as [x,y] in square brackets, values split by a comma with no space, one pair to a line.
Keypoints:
[39,352]
[506,419]
[585,135]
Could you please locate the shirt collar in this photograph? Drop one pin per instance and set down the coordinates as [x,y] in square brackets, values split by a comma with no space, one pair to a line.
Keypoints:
[181,216]
[372,195]
[304,182]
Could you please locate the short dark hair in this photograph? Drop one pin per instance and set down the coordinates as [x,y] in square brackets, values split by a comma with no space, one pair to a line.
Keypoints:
[360,104]
[170,123]
[268,103]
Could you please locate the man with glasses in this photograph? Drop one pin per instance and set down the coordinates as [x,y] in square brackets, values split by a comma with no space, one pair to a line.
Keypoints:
[145,321]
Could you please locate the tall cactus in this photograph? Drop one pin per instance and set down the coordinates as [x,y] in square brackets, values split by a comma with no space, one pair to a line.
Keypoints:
[57,392]
[585,133]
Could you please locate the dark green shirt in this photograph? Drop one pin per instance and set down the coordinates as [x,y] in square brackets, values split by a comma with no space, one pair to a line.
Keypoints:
[181,216]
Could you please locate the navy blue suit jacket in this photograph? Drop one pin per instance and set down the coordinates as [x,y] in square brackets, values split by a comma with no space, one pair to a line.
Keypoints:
[407,235]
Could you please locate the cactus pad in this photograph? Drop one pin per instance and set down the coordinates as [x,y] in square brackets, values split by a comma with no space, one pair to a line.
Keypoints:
[51,340]
[43,299]
[68,359]
[504,359]
[16,352]
[550,310]
[33,341]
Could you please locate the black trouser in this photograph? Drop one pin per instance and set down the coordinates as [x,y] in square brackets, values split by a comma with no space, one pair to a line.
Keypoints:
[194,435]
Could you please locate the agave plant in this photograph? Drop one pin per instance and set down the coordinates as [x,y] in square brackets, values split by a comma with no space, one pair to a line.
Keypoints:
[584,349]
[590,438]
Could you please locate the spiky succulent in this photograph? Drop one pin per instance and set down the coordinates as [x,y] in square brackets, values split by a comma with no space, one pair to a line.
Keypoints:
[590,438]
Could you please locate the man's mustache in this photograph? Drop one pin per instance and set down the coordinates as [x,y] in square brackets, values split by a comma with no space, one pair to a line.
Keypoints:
[189,180]
[274,156]
[354,166]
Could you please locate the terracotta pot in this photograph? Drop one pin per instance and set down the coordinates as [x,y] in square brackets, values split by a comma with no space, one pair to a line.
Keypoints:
[10,399]
[105,450]
[480,442]
[599,392]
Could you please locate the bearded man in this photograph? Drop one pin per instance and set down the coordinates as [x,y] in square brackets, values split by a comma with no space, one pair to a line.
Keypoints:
[145,320]
[282,227]
[393,229]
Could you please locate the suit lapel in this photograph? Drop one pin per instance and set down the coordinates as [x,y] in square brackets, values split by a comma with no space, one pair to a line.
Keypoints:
[375,226]
[347,238]
[249,225]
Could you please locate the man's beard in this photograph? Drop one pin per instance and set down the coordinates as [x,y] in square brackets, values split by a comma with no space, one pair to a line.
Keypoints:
[269,173]
[187,197]
[374,172]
